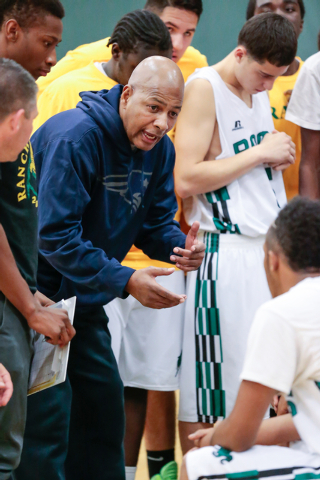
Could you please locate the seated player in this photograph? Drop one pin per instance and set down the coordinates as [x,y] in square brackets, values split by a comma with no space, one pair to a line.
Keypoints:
[282,356]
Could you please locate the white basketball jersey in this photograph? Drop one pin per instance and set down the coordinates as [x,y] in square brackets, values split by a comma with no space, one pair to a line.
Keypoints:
[250,203]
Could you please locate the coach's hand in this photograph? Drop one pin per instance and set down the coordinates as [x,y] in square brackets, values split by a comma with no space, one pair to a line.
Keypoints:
[142,285]
[191,257]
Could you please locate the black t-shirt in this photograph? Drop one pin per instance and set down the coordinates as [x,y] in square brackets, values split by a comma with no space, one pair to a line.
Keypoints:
[18,212]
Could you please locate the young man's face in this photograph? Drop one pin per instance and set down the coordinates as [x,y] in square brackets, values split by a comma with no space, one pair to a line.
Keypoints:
[126,63]
[150,113]
[256,77]
[181,24]
[35,47]
[289,9]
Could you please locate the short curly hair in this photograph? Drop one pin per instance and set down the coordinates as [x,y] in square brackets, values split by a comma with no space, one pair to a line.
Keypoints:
[297,232]
[27,12]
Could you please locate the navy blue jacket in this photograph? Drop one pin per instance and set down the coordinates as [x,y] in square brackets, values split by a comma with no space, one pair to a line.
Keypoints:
[97,197]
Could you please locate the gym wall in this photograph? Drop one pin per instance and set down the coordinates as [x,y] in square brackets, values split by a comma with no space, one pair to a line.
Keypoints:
[90,20]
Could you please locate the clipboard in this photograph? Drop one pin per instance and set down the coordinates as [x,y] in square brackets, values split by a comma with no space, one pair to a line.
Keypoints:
[49,363]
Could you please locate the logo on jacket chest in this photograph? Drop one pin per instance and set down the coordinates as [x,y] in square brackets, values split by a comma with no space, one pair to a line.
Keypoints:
[130,187]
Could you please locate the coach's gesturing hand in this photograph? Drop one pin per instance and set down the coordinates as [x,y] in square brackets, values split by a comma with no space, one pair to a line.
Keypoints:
[142,285]
[190,258]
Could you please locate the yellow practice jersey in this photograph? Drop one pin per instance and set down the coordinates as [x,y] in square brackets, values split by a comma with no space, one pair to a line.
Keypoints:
[76,72]
[279,98]
[99,52]
[63,93]
[78,58]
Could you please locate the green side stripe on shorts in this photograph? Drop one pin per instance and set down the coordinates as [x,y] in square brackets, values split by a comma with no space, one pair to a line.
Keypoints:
[210,394]
[306,476]
[250,473]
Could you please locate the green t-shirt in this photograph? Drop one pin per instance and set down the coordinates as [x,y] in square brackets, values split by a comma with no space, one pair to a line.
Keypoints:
[18,212]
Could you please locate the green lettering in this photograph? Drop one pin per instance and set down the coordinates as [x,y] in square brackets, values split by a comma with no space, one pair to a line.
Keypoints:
[260,137]
[283,114]
[240,146]
[253,140]
[273,112]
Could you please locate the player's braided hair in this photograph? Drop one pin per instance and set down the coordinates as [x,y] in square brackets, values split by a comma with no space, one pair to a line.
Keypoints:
[252,5]
[27,12]
[157,6]
[141,28]
[297,232]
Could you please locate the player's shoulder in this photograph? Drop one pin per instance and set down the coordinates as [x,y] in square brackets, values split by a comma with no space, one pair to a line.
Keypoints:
[70,80]
[297,305]
[190,61]
[193,55]
[312,64]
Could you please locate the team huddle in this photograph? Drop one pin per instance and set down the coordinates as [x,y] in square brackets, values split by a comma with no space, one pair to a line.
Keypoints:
[154,189]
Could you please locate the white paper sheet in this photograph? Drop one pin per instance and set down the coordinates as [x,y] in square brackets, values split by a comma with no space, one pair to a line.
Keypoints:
[49,364]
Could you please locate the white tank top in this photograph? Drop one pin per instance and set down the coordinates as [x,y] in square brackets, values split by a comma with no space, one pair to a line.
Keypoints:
[250,203]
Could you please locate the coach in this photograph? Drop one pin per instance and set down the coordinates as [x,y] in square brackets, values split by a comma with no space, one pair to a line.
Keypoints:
[105,182]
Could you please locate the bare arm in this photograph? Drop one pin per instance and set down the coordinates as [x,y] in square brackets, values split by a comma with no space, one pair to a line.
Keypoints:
[277,430]
[309,173]
[194,133]
[52,323]
[239,431]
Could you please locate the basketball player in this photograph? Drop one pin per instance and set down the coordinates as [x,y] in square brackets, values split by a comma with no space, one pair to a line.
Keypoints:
[229,164]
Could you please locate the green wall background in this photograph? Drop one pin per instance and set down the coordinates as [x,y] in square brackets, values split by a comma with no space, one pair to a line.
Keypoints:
[90,20]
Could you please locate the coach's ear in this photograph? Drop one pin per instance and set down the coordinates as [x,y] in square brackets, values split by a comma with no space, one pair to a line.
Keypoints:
[127,93]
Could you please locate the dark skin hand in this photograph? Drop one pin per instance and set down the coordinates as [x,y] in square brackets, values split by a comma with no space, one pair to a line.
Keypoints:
[143,286]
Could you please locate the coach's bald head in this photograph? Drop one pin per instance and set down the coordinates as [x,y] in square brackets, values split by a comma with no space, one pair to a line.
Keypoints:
[151,102]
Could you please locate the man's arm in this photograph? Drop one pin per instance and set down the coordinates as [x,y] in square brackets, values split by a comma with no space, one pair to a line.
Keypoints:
[54,324]
[309,172]
[60,219]
[194,133]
